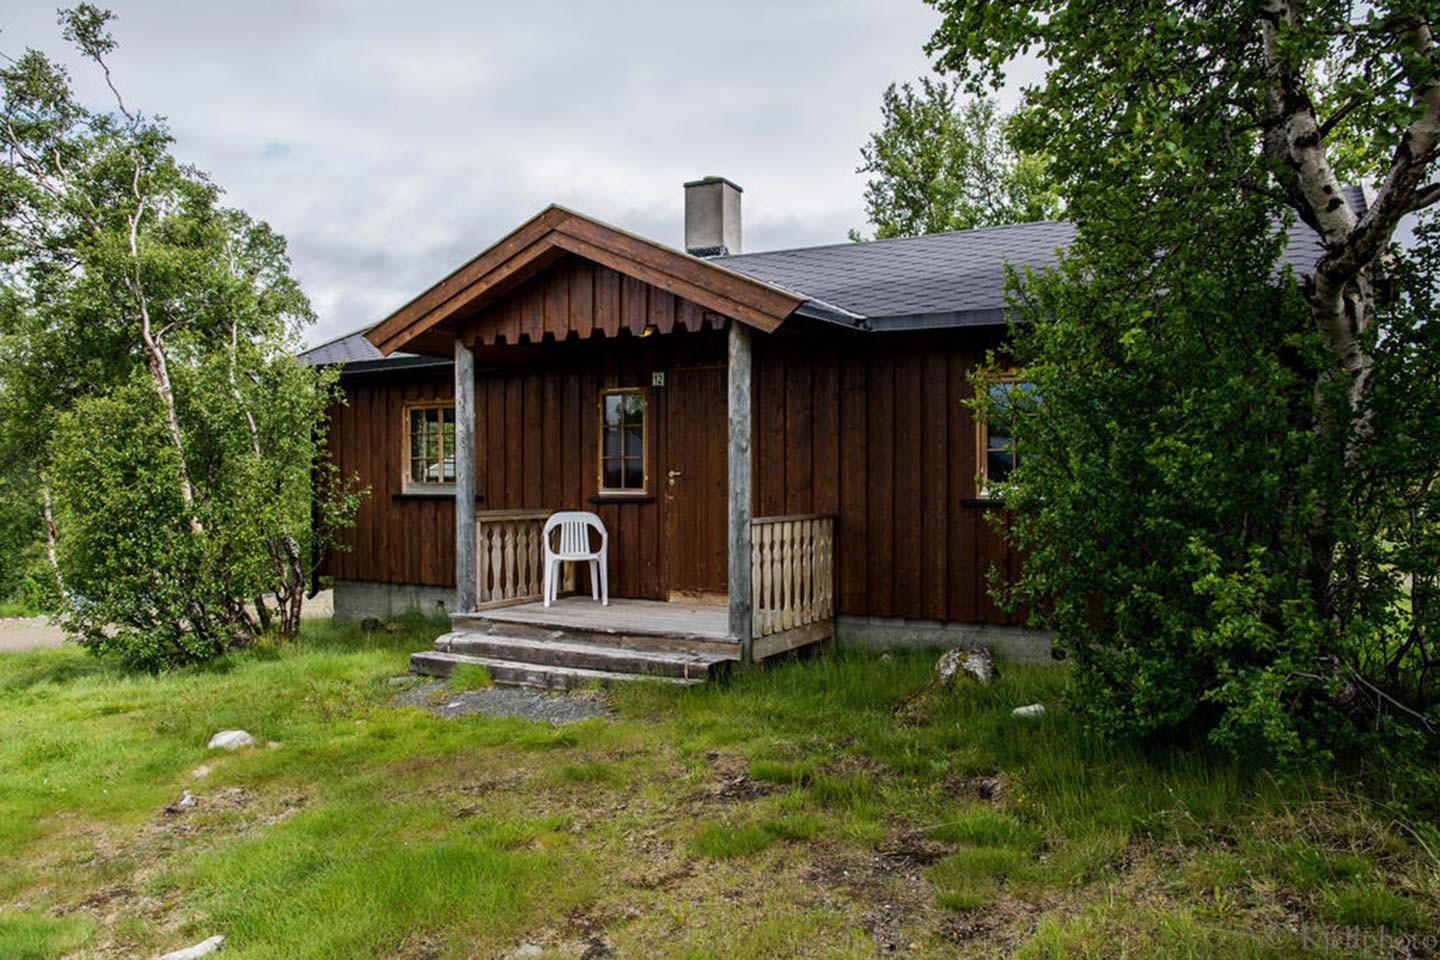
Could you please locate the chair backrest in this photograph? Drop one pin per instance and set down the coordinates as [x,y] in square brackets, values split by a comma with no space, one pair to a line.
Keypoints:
[575,527]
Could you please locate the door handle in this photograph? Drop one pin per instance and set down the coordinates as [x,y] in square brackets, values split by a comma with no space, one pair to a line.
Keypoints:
[673,474]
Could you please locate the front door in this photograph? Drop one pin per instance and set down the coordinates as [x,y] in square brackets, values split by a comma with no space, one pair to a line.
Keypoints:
[693,483]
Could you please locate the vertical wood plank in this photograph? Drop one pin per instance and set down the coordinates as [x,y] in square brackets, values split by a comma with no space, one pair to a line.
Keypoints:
[555,284]
[799,424]
[880,485]
[825,441]
[909,494]
[851,534]
[935,500]
[607,301]
[634,303]
[582,298]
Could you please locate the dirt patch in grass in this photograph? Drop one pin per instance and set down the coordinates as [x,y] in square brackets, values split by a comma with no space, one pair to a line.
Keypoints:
[525,704]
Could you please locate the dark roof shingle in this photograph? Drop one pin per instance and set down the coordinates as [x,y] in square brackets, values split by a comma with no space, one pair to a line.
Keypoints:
[939,280]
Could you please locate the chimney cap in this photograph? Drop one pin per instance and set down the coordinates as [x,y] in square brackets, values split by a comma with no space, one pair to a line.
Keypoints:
[708,180]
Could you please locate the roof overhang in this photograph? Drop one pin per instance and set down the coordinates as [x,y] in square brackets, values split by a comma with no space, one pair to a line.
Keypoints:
[430,323]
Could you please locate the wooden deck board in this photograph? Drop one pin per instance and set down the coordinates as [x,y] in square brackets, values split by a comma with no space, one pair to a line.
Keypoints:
[701,621]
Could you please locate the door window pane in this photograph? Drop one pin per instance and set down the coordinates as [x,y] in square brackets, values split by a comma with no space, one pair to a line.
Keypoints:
[622,441]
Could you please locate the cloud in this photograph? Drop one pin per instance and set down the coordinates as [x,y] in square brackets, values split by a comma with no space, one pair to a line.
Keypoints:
[389,142]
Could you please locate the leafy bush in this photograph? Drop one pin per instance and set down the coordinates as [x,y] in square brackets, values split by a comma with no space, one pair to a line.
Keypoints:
[148,343]
[1179,506]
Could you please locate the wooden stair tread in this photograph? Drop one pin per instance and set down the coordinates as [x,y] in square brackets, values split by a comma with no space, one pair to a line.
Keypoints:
[439,663]
[583,653]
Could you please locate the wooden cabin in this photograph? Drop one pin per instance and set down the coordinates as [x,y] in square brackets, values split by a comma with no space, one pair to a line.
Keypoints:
[776,443]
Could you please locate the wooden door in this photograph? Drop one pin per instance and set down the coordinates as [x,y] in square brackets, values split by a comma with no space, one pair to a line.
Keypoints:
[693,483]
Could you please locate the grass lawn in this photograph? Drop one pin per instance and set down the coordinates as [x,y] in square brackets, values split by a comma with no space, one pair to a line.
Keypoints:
[787,814]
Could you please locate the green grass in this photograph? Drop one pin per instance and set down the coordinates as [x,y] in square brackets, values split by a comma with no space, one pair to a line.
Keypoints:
[777,815]
[35,936]
[468,676]
[18,608]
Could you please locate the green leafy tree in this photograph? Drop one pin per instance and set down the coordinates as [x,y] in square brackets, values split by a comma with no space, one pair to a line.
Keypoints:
[940,162]
[149,385]
[1229,505]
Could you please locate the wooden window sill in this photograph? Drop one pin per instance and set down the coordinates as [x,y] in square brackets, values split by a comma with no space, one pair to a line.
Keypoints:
[623,498]
[983,502]
[430,495]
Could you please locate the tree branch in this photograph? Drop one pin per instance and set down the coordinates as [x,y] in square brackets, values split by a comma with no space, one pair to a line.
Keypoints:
[1424,197]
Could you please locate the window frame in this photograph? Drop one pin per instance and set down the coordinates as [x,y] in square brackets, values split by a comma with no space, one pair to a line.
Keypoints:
[407,483]
[983,488]
[644,489]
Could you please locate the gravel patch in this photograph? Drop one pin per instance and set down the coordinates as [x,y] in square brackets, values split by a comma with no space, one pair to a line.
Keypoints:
[538,705]
[23,634]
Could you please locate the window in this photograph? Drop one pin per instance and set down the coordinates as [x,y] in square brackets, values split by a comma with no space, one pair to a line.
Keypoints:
[430,446]
[999,453]
[622,441]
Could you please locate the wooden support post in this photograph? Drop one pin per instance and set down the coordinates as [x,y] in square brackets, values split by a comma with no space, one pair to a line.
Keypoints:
[464,478]
[739,485]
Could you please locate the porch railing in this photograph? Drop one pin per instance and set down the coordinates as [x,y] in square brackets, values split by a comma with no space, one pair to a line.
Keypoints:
[792,572]
[509,557]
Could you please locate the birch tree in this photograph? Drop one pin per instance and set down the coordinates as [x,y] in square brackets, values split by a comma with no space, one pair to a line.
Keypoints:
[943,162]
[152,377]
[1232,516]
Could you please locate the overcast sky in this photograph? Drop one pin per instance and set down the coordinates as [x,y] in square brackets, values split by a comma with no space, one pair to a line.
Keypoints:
[391,142]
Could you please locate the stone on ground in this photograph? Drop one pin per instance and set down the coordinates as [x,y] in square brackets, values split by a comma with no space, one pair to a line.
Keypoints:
[201,949]
[959,662]
[1032,710]
[955,666]
[231,740]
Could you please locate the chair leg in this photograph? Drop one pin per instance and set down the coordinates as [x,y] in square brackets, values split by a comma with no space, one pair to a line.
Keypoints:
[604,584]
[547,580]
[594,580]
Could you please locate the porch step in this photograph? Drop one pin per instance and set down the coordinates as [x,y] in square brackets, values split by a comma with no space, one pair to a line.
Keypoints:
[638,633]
[437,663]
[685,664]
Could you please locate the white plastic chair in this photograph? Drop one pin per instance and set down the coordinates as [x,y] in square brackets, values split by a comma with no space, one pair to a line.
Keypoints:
[575,527]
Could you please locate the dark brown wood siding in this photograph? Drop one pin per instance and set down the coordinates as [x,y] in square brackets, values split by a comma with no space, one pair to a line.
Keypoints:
[536,448]
[873,430]
[869,428]
[575,297]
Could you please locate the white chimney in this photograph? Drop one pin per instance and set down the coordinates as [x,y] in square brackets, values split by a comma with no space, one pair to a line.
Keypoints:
[712,217]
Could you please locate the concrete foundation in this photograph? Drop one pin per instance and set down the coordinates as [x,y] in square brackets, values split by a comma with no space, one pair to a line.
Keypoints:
[1016,644]
[358,599]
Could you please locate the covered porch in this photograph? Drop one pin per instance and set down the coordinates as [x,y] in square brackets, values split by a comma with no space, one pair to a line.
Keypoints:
[589,313]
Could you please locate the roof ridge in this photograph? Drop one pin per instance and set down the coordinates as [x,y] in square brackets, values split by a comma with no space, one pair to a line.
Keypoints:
[868,243]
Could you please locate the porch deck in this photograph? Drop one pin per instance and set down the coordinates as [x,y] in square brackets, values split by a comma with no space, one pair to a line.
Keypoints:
[683,621]
[577,641]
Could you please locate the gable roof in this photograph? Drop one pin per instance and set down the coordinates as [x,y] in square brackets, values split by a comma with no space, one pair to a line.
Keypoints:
[430,322]
[939,280]
[952,279]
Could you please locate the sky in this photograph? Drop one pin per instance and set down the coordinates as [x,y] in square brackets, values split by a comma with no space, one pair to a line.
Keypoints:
[390,142]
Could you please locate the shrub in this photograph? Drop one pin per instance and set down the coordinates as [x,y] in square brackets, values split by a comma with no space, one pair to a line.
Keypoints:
[1215,562]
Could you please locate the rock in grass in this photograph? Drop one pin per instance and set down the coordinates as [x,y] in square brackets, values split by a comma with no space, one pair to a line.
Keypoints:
[961,662]
[186,802]
[954,666]
[201,949]
[1033,710]
[231,740]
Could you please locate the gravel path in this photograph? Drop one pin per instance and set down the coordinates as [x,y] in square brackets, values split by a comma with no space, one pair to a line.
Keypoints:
[22,634]
[502,702]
